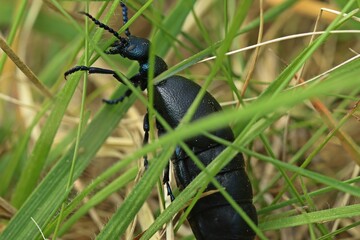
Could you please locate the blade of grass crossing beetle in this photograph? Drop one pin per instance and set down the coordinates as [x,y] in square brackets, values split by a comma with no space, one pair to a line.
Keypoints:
[283,100]
[117,224]
[285,76]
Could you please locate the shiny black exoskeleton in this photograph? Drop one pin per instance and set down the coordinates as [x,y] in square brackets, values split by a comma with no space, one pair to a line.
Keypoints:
[212,216]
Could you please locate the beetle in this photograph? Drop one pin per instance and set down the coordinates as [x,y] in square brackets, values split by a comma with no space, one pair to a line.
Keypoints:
[212,217]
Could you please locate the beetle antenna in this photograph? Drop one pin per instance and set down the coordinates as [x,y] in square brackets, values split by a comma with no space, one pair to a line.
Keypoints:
[106,27]
[125,17]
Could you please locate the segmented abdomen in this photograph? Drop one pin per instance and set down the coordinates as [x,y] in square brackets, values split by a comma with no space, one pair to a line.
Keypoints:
[212,216]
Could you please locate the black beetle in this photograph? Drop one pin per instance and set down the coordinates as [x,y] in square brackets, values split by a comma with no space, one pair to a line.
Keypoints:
[212,216]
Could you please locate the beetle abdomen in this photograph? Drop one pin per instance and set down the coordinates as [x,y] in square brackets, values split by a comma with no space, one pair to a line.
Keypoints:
[223,223]
[212,216]
[187,170]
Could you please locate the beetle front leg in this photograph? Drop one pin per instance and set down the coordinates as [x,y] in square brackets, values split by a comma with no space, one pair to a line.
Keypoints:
[93,70]
[96,70]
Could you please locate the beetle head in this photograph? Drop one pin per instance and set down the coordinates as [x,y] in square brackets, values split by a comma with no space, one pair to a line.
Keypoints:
[133,48]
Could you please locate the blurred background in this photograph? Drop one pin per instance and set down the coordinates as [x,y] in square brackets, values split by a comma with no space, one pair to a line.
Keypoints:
[44,41]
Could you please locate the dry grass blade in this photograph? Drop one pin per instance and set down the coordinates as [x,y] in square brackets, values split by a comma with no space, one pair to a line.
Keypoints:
[346,141]
[257,50]
[24,68]
[6,209]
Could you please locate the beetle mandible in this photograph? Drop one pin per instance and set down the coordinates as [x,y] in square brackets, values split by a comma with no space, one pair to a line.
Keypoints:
[212,216]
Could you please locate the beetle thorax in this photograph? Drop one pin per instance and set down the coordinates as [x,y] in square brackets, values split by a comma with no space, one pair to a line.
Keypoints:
[159,67]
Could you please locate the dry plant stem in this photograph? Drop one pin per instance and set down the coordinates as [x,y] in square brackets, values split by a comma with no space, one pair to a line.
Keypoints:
[7,211]
[316,78]
[19,103]
[279,40]
[301,71]
[346,141]
[256,53]
[22,86]
[320,14]
[332,132]
[339,13]
[146,218]
[169,226]
[24,68]
[285,136]
[324,74]
[131,229]
[345,200]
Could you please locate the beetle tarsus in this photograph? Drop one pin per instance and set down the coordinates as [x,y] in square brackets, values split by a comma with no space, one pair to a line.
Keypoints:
[75,69]
[166,180]
[169,191]
[90,70]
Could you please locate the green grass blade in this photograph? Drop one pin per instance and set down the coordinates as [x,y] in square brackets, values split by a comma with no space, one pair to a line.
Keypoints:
[312,217]
[47,195]
[283,100]
[19,17]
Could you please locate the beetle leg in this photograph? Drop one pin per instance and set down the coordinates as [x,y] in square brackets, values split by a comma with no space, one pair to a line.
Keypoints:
[96,70]
[117,100]
[166,182]
[92,70]
[146,128]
